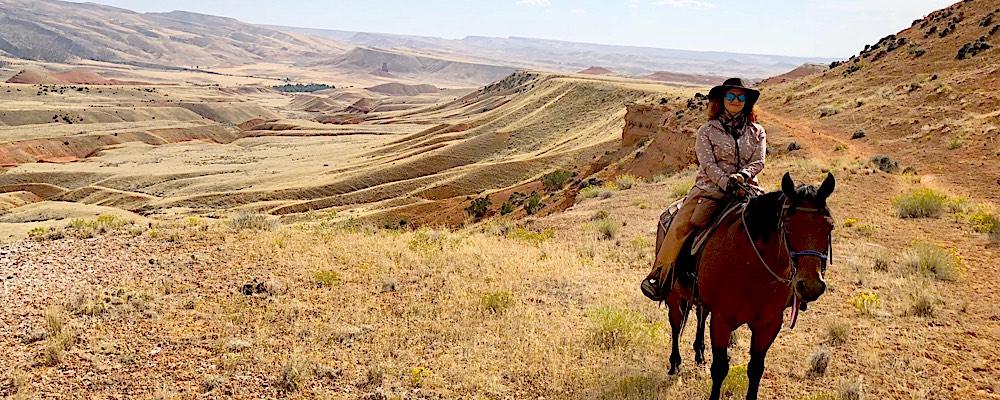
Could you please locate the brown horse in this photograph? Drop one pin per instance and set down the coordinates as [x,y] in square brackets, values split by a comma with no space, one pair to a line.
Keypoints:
[757,263]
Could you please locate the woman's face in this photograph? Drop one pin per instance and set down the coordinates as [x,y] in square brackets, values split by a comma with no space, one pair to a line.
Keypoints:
[734,100]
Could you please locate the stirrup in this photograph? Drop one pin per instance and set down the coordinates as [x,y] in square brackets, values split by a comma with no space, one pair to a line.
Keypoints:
[652,289]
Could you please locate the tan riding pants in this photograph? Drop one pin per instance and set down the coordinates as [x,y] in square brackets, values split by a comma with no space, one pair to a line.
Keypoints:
[696,213]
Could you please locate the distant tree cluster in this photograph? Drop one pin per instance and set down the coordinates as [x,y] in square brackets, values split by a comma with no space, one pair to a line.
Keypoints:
[302,88]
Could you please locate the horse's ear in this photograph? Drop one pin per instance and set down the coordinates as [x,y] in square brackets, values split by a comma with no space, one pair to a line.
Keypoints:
[788,186]
[826,189]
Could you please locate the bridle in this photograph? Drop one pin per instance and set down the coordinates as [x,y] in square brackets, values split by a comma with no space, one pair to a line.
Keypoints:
[793,255]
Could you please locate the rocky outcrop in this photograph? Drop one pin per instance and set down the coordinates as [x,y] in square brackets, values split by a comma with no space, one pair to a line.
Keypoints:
[664,136]
[643,122]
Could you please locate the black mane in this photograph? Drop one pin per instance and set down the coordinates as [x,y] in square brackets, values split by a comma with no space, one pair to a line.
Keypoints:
[764,211]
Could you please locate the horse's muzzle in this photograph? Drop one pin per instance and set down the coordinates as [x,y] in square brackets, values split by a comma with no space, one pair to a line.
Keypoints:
[810,290]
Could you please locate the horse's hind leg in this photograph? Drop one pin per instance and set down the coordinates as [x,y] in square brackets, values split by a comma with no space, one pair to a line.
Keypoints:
[699,339]
[677,314]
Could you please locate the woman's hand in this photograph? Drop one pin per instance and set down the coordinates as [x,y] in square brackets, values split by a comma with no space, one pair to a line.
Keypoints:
[735,185]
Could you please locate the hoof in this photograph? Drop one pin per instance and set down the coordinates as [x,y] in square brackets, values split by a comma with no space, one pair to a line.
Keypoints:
[674,369]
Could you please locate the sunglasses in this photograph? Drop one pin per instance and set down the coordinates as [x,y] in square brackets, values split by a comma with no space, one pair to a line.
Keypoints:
[731,96]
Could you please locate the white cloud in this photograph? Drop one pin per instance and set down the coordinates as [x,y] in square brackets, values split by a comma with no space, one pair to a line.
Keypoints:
[685,3]
[535,3]
[578,11]
[633,3]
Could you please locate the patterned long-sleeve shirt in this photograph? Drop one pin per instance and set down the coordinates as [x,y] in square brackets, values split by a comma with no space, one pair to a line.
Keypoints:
[720,155]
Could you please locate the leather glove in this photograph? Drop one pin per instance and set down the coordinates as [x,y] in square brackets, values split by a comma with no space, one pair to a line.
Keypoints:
[735,186]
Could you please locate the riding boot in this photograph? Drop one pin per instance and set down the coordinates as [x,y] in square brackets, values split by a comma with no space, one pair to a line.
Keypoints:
[695,213]
[653,288]
[657,284]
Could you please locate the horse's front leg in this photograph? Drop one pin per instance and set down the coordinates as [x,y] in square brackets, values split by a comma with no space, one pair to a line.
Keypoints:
[760,341]
[699,339]
[677,314]
[721,329]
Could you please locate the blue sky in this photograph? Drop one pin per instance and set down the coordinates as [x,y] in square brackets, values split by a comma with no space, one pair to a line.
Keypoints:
[825,28]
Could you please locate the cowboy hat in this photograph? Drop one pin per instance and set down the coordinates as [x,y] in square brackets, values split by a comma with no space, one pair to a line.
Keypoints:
[735,83]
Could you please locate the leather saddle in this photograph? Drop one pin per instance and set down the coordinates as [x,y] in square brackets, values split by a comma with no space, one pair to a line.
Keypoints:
[685,267]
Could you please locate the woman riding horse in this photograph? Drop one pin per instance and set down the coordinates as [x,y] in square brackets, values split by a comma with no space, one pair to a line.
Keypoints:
[730,149]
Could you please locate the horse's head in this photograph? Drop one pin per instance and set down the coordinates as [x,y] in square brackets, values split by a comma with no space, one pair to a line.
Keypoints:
[807,226]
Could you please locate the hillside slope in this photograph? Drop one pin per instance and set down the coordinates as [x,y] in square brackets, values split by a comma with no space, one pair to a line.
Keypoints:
[60,31]
[920,96]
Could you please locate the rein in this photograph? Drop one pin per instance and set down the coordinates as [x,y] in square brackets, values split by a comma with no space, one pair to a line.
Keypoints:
[792,255]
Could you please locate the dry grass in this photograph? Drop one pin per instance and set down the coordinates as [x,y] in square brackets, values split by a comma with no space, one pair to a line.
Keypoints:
[606,227]
[819,361]
[928,258]
[249,221]
[838,333]
[602,192]
[627,181]
[616,328]
[539,308]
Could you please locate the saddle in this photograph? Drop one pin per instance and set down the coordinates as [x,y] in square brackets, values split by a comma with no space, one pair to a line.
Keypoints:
[684,269]
[701,236]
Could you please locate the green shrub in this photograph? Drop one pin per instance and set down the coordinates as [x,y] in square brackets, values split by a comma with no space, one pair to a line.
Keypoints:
[627,181]
[958,204]
[533,204]
[507,207]
[920,203]
[931,259]
[983,220]
[497,301]
[621,328]
[955,143]
[326,278]
[555,180]
[50,233]
[478,208]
